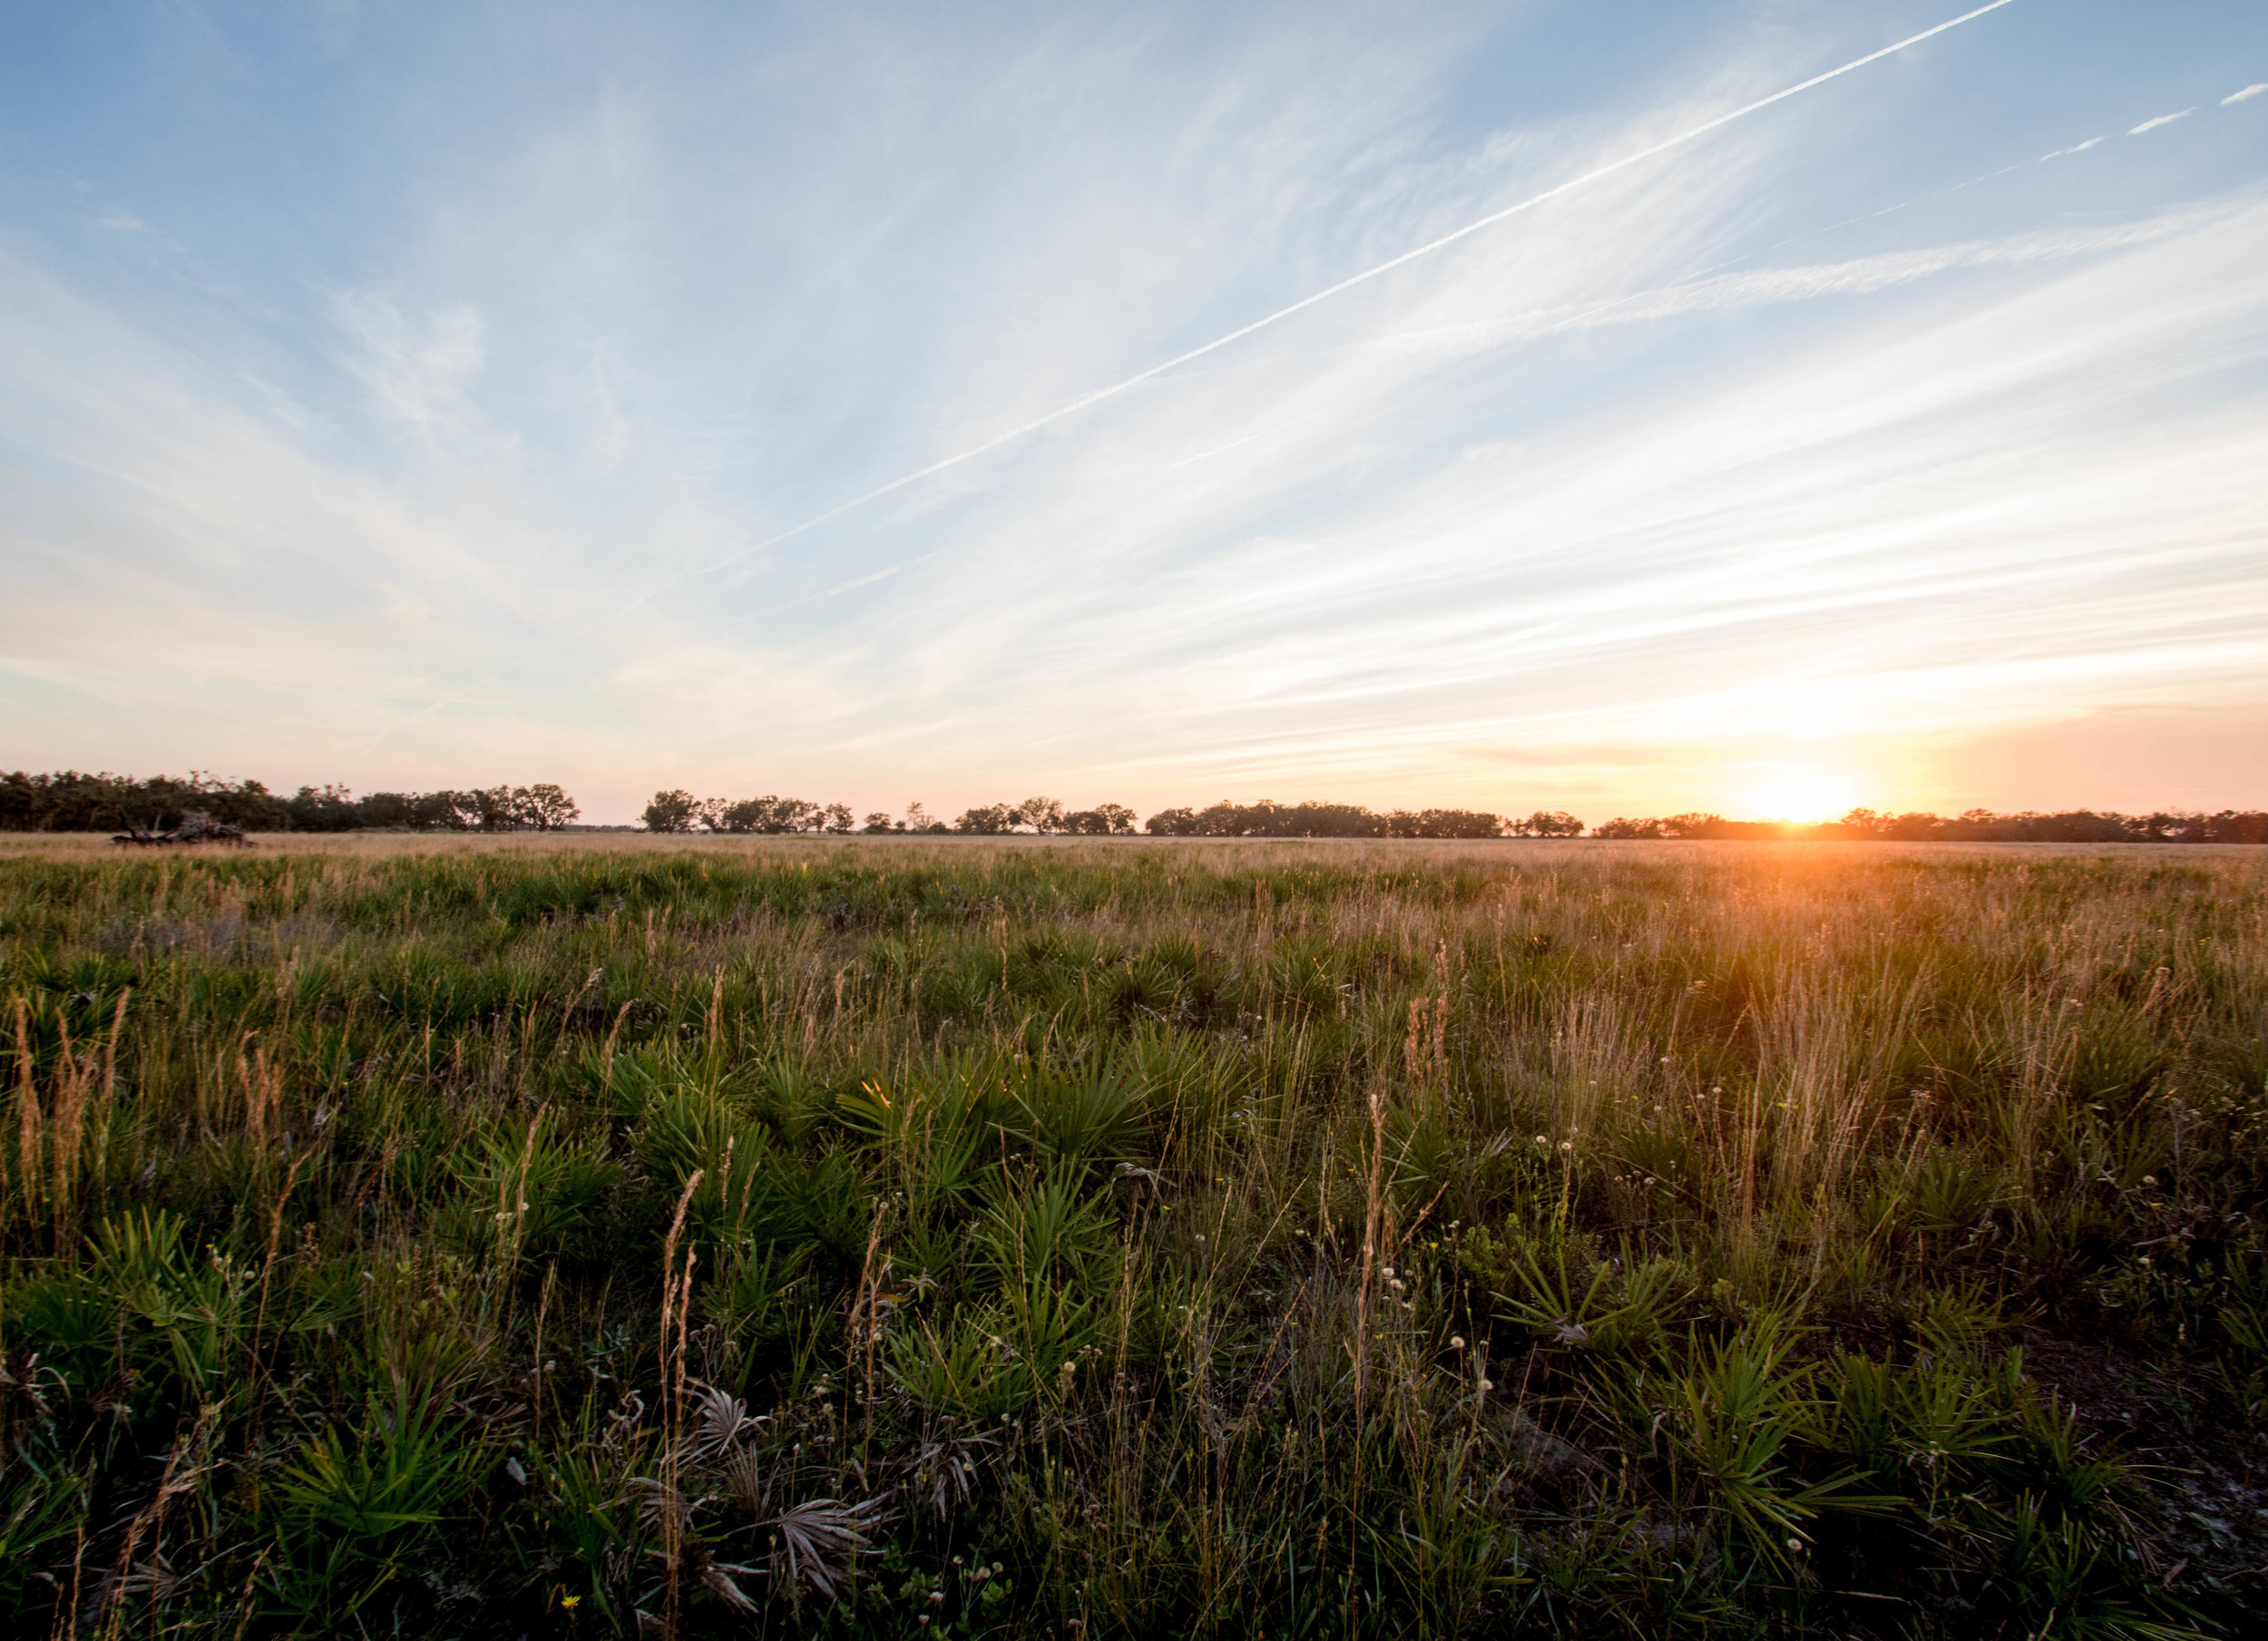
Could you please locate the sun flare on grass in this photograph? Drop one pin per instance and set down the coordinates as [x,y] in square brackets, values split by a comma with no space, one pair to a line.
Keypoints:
[1801,795]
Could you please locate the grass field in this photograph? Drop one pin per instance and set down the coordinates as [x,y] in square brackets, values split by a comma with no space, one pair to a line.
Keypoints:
[426,1237]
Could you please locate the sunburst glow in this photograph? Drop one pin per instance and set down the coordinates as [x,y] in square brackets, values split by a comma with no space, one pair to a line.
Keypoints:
[1801,795]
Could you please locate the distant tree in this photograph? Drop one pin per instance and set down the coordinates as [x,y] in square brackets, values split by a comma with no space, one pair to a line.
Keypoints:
[776,814]
[1104,820]
[1225,819]
[496,810]
[85,803]
[987,820]
[1620,827]
[1308,818]
[1549,823]
[411,811]
[22,807]
[387,809]
[2237,826]
[2165,826]
[325,809]
[839,818]
[414,811]
[448,811]
[492,808]
[750,815]
[63,802]
[1452,822]
[1040,813]
[917,819]
[672,811]
[1267,818]
[541,807]
[879,821]
[246,804]
[551,807]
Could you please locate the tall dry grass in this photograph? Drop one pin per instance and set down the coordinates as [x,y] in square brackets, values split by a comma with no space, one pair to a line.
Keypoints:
[1135,1238]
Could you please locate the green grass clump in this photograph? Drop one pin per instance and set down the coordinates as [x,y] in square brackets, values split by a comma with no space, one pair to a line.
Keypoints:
[897,1238]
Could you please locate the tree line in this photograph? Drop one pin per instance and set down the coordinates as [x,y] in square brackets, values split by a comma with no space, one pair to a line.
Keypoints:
[1267,818]
[680,811]
[71,801]
[1969,827]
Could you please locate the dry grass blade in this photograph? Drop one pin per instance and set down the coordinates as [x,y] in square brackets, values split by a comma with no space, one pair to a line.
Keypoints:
[717,1578]
[151,1577]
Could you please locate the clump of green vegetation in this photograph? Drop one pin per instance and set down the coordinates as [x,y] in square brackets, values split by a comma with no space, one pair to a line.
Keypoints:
[888,1238]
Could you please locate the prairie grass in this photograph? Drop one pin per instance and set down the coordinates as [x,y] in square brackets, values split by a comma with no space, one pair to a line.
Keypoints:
[586,1237]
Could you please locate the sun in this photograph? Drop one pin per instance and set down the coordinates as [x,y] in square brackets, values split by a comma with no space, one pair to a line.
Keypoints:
[1801,795]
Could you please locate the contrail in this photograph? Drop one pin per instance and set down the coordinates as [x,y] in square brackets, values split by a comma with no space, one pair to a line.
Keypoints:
[1088,400]
[1281,314]
[2161,119]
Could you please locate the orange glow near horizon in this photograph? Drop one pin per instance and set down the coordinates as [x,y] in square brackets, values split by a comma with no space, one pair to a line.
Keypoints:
[1801,795]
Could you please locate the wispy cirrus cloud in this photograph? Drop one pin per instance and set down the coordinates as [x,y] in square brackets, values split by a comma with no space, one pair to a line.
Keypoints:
[418,365]
[1596,173]
[1809,281]
[1824,542]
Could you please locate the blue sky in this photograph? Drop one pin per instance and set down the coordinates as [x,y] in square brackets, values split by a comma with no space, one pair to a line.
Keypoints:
[418,395]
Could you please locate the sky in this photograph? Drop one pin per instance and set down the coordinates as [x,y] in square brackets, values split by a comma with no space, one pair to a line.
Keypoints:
[768,399]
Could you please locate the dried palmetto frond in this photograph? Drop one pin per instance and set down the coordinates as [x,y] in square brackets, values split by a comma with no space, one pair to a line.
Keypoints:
[818,1538]
[720,1421]
[945,1472]
[746,1481]
[664,1508]
[152,1577]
